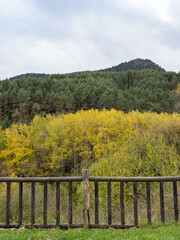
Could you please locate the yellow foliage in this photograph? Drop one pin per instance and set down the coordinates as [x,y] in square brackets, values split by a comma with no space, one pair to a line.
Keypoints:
[17,152]
[65,144]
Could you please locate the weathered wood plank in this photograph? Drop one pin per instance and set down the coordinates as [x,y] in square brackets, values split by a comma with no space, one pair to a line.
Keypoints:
[135,203]
[148,201]
[8,195]
[40,179]
[20,202]
[57,203]
[45,204]
[175,200]
[32,203]
[112,179]
[28,225]
[70,202]
[109,202]
[96,203]
[65,225]
[122,203]
[162,201]
[86,199]
[104,225]
[135,179]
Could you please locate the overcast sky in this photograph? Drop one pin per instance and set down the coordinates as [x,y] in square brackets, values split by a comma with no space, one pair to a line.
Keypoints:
[60,36]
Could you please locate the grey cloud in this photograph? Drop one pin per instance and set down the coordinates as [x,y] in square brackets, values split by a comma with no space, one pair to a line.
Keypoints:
[73,35]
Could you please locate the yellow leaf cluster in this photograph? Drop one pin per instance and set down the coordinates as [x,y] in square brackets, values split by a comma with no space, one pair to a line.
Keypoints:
[17,152]
[111,142]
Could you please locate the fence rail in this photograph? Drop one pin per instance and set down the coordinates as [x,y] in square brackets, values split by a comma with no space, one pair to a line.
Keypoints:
[40,179]
[86,179]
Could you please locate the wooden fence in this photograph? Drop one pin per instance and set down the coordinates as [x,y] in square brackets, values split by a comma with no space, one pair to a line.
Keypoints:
[86,179]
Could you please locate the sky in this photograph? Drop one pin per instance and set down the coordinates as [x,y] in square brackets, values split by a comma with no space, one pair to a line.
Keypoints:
[63,36]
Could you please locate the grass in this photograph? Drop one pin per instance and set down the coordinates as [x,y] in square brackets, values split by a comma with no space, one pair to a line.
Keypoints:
[146,232]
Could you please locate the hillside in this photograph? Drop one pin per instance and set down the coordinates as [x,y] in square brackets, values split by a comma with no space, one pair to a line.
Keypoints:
[146,90]
[136,64]
[26,75]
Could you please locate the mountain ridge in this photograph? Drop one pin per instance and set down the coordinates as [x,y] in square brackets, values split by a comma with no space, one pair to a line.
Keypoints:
[135,64]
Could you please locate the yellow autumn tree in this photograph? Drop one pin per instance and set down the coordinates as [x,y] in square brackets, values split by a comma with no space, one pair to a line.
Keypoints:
[17,155]
[66,143]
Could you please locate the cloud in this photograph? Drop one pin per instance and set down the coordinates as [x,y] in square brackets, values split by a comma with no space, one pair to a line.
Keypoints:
[74,35]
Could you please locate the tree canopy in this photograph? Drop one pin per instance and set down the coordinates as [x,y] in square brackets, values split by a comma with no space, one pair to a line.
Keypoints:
[145,90]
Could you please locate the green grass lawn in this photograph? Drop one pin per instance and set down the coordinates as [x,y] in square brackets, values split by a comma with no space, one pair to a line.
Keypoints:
[163,232]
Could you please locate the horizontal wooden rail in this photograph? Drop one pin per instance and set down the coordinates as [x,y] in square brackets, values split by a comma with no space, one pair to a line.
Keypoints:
[104,225]
[40,179]
[134,179]
[38,225]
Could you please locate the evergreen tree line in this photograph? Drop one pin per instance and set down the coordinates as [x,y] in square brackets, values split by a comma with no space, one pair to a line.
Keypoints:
[145,90]
[136,64]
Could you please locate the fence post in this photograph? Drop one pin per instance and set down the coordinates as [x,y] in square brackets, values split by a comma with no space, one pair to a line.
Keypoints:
[86,198]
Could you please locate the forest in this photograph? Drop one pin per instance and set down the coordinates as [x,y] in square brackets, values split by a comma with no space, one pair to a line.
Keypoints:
[109,142]
[114,122]
[123,123]
[136,64]
[146,90]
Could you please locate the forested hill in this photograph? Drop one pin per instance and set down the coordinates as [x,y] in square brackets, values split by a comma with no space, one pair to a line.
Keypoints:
[146,90]
[26,75]
[136,64]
